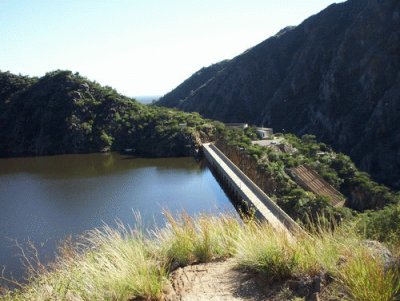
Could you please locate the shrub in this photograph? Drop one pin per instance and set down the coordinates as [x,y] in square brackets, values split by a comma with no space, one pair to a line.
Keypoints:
[382,225]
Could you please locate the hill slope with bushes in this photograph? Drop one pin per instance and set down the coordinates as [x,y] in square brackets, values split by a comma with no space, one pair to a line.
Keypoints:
[270,168]
[63,112]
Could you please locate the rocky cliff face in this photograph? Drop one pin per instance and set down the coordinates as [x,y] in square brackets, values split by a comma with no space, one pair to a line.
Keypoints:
[336,75]
[250,167]
[191,85]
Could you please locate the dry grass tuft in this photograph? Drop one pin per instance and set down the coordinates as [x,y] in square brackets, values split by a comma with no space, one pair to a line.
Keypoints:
[121,264]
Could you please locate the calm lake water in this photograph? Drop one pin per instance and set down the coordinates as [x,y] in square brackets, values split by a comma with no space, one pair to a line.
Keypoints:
[45,199]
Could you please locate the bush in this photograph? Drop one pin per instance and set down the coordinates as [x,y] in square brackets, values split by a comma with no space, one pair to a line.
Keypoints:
[382,225]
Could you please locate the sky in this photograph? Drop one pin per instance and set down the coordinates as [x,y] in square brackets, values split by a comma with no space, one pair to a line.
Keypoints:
[139,47]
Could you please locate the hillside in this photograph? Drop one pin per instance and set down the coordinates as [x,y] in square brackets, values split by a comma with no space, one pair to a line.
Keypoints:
[63,112]
[336,75]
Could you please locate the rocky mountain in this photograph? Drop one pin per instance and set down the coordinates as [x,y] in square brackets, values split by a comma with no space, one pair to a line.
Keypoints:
[336,75]
[63,112]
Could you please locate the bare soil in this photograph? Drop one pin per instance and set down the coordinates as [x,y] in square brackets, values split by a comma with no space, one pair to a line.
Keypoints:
[223,280]
[212,281]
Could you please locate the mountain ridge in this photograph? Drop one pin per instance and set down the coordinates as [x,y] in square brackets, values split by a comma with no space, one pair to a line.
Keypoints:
[336,75]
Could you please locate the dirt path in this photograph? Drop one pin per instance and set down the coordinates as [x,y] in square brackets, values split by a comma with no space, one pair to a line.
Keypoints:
[217,281]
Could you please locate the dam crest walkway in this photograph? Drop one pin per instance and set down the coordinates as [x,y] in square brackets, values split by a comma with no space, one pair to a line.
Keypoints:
[265,208]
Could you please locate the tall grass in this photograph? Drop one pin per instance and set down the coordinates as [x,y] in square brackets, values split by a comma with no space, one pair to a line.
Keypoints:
[262,249]
[185,240]
[107,264]
[121,264]
[365,278]
[359,271]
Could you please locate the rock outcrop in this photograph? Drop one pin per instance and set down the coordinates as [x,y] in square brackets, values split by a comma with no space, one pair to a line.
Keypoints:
[250,167]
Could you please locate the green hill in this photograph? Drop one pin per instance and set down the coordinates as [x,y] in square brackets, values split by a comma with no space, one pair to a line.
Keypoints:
[63,112]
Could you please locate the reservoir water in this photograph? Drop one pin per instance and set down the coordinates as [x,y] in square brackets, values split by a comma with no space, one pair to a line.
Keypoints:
[46,199]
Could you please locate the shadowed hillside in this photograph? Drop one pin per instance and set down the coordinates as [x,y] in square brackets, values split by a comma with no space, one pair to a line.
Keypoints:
[336,75]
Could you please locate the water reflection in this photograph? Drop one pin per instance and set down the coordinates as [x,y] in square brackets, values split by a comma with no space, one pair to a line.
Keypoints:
[89,165]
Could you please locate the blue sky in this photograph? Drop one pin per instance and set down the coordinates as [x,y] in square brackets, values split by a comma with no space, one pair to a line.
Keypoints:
[144,47]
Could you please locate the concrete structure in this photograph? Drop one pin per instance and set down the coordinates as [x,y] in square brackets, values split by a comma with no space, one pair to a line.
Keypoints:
[310,180]
[248,191]
[269,142]
[264,133]
[237,125]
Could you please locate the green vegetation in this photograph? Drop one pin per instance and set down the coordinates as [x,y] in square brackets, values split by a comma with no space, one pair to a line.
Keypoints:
[382,225]
[273,162]
[364,278]
[119,264]
[380,222]
[63,112]
[107,264]
[337,169]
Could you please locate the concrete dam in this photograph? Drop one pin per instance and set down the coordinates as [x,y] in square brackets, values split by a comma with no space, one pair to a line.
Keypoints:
[249,192]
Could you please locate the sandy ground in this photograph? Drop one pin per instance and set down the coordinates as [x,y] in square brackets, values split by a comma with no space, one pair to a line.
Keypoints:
[216,281]
[222,281]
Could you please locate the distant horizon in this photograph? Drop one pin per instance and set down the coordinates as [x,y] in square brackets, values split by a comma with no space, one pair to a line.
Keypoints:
[135,47]
[146,99]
